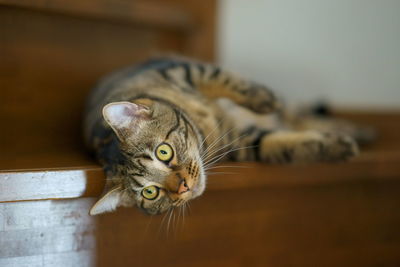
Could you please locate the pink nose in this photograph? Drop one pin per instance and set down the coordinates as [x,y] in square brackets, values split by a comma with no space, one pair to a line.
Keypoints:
[183,187]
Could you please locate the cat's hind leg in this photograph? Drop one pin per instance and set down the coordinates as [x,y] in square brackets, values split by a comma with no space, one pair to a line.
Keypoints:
[214,82]
[256,97]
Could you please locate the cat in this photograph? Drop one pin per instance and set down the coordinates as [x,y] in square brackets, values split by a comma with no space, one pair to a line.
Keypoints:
[157,127]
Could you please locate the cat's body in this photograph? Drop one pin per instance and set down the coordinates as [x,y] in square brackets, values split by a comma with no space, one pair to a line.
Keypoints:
[157,126]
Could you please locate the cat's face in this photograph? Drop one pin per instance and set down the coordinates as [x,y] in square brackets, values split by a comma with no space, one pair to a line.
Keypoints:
[162,167]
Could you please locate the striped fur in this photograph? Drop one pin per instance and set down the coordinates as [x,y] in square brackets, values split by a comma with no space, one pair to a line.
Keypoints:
[177,98]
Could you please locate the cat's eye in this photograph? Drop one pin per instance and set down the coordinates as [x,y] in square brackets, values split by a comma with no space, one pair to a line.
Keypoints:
[150,192]
[164,152]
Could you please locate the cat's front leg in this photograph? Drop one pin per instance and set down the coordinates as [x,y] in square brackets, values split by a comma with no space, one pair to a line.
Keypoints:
[299,147]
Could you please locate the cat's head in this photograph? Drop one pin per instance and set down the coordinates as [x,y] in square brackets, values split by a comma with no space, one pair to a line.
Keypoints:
[162,167]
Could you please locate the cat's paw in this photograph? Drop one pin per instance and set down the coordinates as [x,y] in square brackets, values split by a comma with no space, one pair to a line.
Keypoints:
[337,147]
[261,100]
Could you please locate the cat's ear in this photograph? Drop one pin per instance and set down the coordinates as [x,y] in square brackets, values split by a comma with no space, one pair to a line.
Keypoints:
[125,117]
[108,202]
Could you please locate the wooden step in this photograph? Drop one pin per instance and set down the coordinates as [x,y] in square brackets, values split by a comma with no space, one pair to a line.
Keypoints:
[52,53]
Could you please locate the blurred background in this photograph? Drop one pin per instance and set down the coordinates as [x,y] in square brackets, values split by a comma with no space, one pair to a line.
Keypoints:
[344,51]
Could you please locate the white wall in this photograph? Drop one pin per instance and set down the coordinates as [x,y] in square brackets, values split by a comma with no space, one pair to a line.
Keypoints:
[346,51]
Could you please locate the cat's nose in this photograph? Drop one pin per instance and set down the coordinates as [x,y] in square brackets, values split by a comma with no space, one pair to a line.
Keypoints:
[183,187]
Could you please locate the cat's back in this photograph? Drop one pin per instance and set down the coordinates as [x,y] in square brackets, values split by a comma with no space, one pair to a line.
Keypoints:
[164,78]
[119,79]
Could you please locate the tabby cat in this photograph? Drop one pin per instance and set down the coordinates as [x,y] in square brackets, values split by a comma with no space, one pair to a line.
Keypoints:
[158,126]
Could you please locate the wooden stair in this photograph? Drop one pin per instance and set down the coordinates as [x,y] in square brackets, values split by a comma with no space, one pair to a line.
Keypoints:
[343,214]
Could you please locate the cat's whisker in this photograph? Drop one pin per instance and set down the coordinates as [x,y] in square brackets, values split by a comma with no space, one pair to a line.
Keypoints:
[169,219]
[210,164]
[175,220]
[174,231]
[216,158]
[225,166]
[183,214]
[212,154]
[213,144]
[179,217]
[219,168]
[189,208]
[201,146]
[211,173]
[163,220]
[223,147]
[209,146]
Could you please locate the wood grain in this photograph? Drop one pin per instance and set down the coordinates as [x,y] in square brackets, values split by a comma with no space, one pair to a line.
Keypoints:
[53,53]
[345,222]
[163,14]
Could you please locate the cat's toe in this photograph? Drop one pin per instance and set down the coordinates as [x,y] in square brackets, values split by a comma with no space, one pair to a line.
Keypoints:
[338,147]
[261,100]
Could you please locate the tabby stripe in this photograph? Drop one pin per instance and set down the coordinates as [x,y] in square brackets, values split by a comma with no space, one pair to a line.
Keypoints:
[125,153]
[240,88]
[141,164]
[137,183]
[257,141]
[164,70]
[173,106]
[249,130]
[138,166]
[188,74]
[184,140]
[164,74]
[215,73]
[137,174]
[176,126]
[202,69]
[186,123]
[226,81]
[287,155]
[133,172]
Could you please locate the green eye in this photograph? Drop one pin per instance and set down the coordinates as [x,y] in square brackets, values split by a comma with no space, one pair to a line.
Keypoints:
[150,192]
[164,152]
